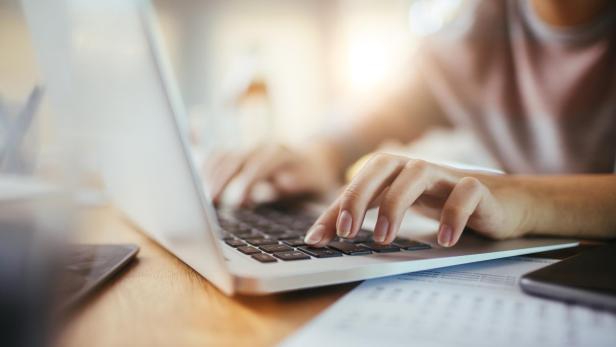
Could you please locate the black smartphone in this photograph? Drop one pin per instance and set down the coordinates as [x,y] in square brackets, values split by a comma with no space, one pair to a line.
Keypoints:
[87,267]
[588,278]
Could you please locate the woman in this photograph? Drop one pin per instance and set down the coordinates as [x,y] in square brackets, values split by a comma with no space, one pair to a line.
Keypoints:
[535,80]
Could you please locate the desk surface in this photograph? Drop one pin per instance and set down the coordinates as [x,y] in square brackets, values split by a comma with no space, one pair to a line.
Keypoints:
[159,301]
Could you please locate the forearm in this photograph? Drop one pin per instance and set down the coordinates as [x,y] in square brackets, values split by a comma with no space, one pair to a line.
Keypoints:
[573,205]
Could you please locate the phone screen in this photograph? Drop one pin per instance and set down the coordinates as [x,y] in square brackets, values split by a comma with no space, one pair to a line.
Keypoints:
[589,277]
[88,266]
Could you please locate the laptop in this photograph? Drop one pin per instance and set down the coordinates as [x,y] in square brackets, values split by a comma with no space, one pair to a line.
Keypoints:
[136,118]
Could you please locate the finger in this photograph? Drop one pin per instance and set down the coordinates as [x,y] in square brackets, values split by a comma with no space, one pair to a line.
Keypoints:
[224,172]
[408,186]
[212,161]
[289,181]
[257,168]
[324,229]
[458,208]
[369,182]
[264,192]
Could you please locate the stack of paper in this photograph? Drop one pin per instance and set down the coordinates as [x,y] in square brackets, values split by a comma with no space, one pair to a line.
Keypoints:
[469,305]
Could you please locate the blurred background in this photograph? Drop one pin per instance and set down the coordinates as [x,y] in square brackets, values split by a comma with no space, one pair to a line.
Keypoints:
[289,65]
[296,62]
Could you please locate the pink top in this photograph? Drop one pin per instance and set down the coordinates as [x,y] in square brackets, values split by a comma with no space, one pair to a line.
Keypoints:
[541,99]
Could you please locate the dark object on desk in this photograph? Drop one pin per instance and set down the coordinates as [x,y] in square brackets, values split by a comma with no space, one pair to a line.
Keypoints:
[588,278]
[26,276]
[13,155]
[87,267]
[33,223]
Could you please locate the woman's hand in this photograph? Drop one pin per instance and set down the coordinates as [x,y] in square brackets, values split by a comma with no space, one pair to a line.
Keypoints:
[284,170]
[395,183]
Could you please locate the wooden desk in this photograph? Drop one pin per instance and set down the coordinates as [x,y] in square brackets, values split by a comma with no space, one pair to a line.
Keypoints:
[159,301]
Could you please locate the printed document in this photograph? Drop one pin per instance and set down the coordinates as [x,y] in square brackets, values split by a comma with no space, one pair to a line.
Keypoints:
[476,304]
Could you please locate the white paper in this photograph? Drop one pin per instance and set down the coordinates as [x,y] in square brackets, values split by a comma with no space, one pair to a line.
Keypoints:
[477,304]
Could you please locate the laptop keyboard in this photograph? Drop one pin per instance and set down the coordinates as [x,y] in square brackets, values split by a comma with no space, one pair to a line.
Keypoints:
[269,235]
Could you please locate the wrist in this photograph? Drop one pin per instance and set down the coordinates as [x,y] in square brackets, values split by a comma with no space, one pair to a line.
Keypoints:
[529,211]
[520,204]
[530,206]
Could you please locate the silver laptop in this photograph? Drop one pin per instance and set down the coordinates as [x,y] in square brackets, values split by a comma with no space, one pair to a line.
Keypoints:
[124,82]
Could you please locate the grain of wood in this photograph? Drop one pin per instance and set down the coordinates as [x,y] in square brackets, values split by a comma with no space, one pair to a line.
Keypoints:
[159,301]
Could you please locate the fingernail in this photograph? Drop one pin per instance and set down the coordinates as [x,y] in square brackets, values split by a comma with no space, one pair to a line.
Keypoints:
[380,230]
[445,235]
[345,222]
[315,234]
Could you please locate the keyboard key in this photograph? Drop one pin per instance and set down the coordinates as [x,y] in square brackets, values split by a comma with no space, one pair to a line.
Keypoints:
[291,255]
[248,250]
[410,245]
[362,236]
[262,242]
[275,248]
[298,232]
[294,242]
[381,248]
[264,258]
[226,224]
[274,230]
[262,223]
[301,224]
[244,227]
[284,219]
[321,252]
[235,243]
[349,248]
[250,234]
[234,228]
[288,236]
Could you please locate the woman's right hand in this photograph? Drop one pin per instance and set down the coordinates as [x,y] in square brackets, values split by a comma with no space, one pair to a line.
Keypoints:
[266,173]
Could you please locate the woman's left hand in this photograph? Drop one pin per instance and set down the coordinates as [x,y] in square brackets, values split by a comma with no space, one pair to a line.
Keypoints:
[489,204]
